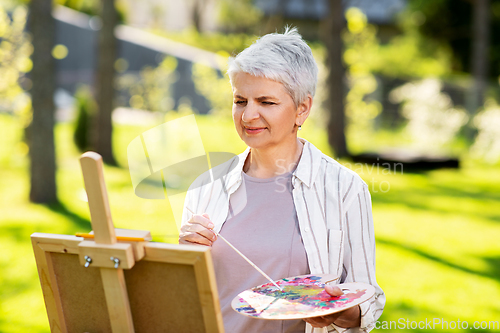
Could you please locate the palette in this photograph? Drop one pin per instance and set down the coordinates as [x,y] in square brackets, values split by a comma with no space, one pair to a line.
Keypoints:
[302,297]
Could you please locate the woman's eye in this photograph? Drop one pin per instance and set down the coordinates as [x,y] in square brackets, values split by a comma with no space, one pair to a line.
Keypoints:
[239,102]
[269,103]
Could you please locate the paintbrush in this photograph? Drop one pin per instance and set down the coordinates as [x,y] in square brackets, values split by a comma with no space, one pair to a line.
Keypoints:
[243,256]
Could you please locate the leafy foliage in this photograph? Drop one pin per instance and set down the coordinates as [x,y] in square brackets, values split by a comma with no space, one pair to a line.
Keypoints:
[360,57]
[449,22]
[15,50]
[85,109]
[231,43]
[487,143]
[238,15]
[404,56]
[93,7]
[433,121]
[89,7]
[214,87]
[407,55]
[151,90]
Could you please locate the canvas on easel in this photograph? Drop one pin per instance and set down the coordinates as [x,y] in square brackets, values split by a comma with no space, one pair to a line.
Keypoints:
[117,281]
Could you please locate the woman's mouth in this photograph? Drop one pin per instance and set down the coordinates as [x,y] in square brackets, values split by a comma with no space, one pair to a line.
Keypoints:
[254,130]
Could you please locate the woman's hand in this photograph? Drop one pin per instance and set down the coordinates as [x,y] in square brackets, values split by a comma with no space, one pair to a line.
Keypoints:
[198,230]
[347,318]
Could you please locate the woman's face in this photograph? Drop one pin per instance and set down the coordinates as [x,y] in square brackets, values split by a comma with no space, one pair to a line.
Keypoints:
[264,114]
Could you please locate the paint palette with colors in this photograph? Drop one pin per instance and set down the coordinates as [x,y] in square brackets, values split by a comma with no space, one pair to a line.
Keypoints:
[302,297]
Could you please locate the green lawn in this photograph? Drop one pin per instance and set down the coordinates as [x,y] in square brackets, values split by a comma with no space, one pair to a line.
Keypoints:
[438,248]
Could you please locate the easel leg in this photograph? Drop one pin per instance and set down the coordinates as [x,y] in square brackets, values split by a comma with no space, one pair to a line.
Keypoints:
[115,290]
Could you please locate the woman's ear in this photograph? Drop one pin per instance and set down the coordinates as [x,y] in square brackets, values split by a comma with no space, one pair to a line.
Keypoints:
[303,110]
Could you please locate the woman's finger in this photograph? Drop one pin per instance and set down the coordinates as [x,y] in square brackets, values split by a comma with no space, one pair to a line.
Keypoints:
[201,230]
[322,321]
[315,322]
[194,238]
[333,290]
[197,230]
[202,225]
[202,220]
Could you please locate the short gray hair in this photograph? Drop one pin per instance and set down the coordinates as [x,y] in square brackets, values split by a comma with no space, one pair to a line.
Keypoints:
[283,58]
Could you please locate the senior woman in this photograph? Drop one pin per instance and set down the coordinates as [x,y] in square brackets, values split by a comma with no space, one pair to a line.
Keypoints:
[288,207]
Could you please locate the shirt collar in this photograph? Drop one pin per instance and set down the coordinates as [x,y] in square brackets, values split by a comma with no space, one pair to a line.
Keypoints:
[309,163]
[234,176]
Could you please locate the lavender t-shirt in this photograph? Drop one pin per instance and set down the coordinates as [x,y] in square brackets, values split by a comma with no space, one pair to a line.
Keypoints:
[262,224]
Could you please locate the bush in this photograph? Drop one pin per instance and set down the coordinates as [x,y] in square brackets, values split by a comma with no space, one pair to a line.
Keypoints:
[85,108]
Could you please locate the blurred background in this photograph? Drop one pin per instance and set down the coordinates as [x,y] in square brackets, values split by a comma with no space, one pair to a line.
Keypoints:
[408,97]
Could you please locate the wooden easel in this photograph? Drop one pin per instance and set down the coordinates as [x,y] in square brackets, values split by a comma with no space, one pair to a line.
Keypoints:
[121,282]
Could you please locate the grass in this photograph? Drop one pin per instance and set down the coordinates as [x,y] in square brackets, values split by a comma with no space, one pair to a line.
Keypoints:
[437,242]
[438,248]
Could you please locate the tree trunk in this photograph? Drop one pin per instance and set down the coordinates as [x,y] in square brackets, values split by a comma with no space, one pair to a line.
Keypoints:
[197,12]
[480,49]
[107,53]
[334,25]
[40,133]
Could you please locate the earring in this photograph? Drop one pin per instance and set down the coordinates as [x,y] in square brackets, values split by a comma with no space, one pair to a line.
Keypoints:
[300,127]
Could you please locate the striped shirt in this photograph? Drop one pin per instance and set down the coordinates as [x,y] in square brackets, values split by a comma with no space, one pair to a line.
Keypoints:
[334,211]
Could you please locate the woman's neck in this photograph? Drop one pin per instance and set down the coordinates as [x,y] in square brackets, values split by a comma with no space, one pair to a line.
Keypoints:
[267,163]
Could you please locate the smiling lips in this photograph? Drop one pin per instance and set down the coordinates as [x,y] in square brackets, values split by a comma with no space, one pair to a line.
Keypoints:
[254,130]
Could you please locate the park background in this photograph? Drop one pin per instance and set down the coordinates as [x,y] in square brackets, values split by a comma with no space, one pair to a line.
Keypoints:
[413,81]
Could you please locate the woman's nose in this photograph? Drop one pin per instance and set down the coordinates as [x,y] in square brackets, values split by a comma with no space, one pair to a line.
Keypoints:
[251,112]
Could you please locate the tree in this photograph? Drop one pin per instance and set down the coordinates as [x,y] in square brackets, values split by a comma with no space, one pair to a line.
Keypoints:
[465,25]
[41,130]
[334,24]
[480,45]
[107,45]
[197,13]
